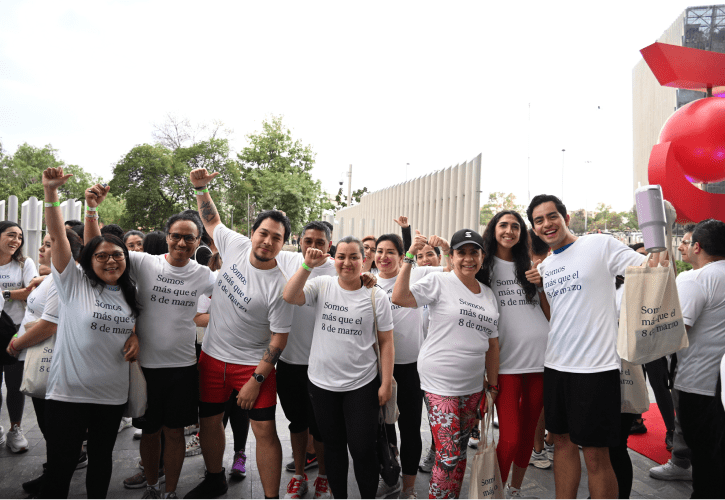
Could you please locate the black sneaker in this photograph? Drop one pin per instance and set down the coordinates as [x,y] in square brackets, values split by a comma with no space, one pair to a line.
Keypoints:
[310,463]
[638,427]
[33,486]
[212,486]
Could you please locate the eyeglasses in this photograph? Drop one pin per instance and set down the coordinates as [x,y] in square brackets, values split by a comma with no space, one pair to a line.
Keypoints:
[189,238]
[103,256]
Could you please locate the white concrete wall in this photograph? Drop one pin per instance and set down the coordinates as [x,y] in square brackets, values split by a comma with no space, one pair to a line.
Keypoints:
[439,203]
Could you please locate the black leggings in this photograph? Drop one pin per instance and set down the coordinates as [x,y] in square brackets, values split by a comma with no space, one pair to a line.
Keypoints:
[410,405]
[619,456]
[65,426]
[349,419]
[659,379]
[239,419]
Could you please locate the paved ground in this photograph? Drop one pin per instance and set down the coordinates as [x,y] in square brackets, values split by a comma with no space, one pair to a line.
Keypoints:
[16,469]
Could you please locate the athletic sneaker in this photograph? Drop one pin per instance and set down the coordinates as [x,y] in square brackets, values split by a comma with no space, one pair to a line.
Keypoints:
[137,434]
[297,487]
[193,447]
[549,450]
[385,491]
[125,423]
[2,435]
[310,462]
[322,487]
[213,485]
[152,492]
[139,480]
[638,427]
[539,459]
[474,439]
[191,429]
[16,440]
[171,495]
[671,472]
[82,461]
[239,467]
[409,494]
[33,486]
[428,461]
[512,492]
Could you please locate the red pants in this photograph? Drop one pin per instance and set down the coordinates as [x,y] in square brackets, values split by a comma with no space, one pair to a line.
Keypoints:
[519,405]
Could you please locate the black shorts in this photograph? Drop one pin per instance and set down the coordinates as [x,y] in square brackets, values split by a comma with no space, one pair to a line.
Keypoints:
[173,398]
[295,399]
[584,405]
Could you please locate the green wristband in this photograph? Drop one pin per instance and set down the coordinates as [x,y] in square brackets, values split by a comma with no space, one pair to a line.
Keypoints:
[199,193]
[306,267]
[53,204]
[409,255]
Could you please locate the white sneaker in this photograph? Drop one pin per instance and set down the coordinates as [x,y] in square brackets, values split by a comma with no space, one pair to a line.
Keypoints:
[124,424]
[428,461]
[16,440]
[193,447]
[2,435]
[191,429]
[297,487]
[385,491]
[549,451]
[540,460]
[511,492]
[671,472]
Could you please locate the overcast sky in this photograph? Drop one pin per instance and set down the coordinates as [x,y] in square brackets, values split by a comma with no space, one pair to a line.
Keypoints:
[372,84]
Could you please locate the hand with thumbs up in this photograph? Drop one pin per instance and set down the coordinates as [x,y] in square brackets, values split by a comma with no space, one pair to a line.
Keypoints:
[532,275]
[419,241]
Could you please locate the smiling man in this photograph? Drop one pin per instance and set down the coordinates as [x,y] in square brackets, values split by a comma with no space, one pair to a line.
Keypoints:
[581,367]
[248,328]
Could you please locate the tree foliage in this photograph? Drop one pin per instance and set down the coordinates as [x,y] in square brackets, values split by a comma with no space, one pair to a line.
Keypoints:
[356,195]
[498,201]
[603,218]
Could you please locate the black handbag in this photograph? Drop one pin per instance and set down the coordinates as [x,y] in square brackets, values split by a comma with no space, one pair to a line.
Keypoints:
[8,329]
[388,455]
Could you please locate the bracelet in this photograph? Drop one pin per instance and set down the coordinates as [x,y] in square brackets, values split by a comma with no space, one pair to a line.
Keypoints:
[408,260]
[492,388]
[92,209]
[52,204]
[200,187]
[199,193]
[306,267]
[409,255]
[89,216]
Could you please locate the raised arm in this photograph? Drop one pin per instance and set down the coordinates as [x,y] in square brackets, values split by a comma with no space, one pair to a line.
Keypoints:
[437,241]
[200,178]
[53,178]
[402,221]
[94,197]
[401,292]
[294,289]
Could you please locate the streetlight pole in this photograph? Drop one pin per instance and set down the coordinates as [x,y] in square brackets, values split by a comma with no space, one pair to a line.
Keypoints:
[562,174]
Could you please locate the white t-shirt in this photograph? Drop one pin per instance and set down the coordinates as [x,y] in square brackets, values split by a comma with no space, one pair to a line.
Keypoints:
[522,327]
[452,359]
[408,321]
[42,304]
[168,297]
[246,304]
[299,342]
[702,298]
[12,277]
[202,308]
[342,357]
[88,362]
[579,284]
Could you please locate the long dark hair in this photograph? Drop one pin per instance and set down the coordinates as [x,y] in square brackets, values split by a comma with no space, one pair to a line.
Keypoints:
[18,255]
[128,287]
[520,251]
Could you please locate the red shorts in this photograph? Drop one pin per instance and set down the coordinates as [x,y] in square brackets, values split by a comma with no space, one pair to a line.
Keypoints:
[217,381]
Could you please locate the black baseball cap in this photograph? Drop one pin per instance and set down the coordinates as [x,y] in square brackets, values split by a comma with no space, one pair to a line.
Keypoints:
[465,236]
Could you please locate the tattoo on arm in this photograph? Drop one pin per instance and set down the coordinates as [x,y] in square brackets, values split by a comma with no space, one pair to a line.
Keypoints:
[271,355]
[208,211]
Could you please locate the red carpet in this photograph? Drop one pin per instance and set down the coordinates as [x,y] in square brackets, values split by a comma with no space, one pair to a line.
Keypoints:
[651,444]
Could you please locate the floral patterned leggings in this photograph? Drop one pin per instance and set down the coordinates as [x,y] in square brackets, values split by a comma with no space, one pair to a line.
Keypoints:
[451,419]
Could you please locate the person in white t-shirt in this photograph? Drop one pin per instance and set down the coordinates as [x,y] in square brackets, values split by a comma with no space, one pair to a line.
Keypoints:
[463,331]
[16,273]
[344,385]
[89,375]
[248,328]
[40,323]
[408,336]
[523,329]
[702,417]
[292,379]
[581,362]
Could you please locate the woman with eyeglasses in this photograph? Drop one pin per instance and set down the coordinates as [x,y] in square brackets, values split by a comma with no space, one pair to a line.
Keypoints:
[89,374]
[169,287]
[133,240]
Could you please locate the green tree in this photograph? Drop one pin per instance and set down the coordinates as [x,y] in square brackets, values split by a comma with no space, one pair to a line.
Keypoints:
[498,201]
[275,174]
[113,210]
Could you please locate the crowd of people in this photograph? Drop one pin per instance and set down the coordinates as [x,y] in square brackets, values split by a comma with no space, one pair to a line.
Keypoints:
[223,325]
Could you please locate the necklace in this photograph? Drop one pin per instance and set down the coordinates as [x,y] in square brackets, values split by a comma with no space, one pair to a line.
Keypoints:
[113,288]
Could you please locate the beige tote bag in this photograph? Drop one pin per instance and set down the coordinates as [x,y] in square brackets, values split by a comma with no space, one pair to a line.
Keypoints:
[37,368]
[137,395]
[650,320]
[485,473]
[635,398]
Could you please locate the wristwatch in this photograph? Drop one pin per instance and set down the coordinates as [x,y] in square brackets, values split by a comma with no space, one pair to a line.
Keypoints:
[6,294]
[259,378]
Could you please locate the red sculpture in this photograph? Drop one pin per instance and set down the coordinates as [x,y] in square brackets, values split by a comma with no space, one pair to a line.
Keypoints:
[692,143]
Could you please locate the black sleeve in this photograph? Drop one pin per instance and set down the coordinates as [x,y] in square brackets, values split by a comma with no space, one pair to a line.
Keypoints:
[407,240]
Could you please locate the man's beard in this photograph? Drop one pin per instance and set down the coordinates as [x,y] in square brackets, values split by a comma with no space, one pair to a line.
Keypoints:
[262,259]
